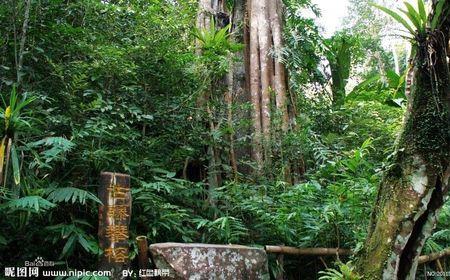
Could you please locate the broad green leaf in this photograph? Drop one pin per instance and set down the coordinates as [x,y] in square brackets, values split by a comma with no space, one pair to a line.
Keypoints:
[367,82]
[393,78]
[13,98]
[437,14]
[414,16]
[84,243]
[23,104]
[422,11]
[395,16]
[68,247]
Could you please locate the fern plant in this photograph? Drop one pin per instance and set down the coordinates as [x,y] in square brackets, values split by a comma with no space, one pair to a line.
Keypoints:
[32,203]
[345,272]
[70,194]
[215,41]
[215,45]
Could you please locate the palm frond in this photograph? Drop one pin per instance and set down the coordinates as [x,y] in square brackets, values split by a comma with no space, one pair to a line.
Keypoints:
[70,194]
[58,146]
[32,203]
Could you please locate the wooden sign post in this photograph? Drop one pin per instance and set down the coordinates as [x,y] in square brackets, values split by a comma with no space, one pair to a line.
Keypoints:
[114,220]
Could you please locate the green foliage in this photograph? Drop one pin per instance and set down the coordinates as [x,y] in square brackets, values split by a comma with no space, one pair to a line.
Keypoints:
[70,194]
[97,74]
[11,114]
[363,21]
[345,272]
[28,203]
[14,123]
[398,18]
[303,47]
[418,18]
[215,42]
[74,234]
[437,16]
[440,238]
[338,51]
[48,150]
[389,88]
[114,85]
[226,229]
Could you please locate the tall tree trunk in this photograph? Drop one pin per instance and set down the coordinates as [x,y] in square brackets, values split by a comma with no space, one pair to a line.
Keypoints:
[256,75]
[265,71]
[416,185]
[267,75]
[279,72]
[255,84]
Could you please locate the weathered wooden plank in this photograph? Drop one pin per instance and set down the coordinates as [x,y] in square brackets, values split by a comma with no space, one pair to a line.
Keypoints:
[114,219]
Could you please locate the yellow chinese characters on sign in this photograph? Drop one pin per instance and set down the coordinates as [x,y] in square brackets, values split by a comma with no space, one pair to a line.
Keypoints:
[114,219]
[117,255]
[116,233]
[118,192]
[118,212]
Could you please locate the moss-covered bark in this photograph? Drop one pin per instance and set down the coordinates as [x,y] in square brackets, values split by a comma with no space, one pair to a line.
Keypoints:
[416,184]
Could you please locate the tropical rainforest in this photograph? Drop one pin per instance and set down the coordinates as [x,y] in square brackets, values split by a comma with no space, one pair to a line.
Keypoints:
[239,122]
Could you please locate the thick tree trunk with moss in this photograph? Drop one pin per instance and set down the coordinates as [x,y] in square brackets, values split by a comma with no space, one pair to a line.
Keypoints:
[416,184]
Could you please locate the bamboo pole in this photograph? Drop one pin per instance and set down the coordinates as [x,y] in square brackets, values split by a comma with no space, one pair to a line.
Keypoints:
[340,251]
[434,256]
[142,253]
[307,251]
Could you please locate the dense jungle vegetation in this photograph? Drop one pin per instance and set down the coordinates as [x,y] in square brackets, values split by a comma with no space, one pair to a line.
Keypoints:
[140,87]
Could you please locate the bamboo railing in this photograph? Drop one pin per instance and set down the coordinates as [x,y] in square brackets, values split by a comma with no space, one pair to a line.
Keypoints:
[307,251]
[286,250]
[434,256]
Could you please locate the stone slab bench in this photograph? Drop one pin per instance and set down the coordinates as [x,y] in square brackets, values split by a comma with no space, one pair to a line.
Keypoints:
[210,262]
